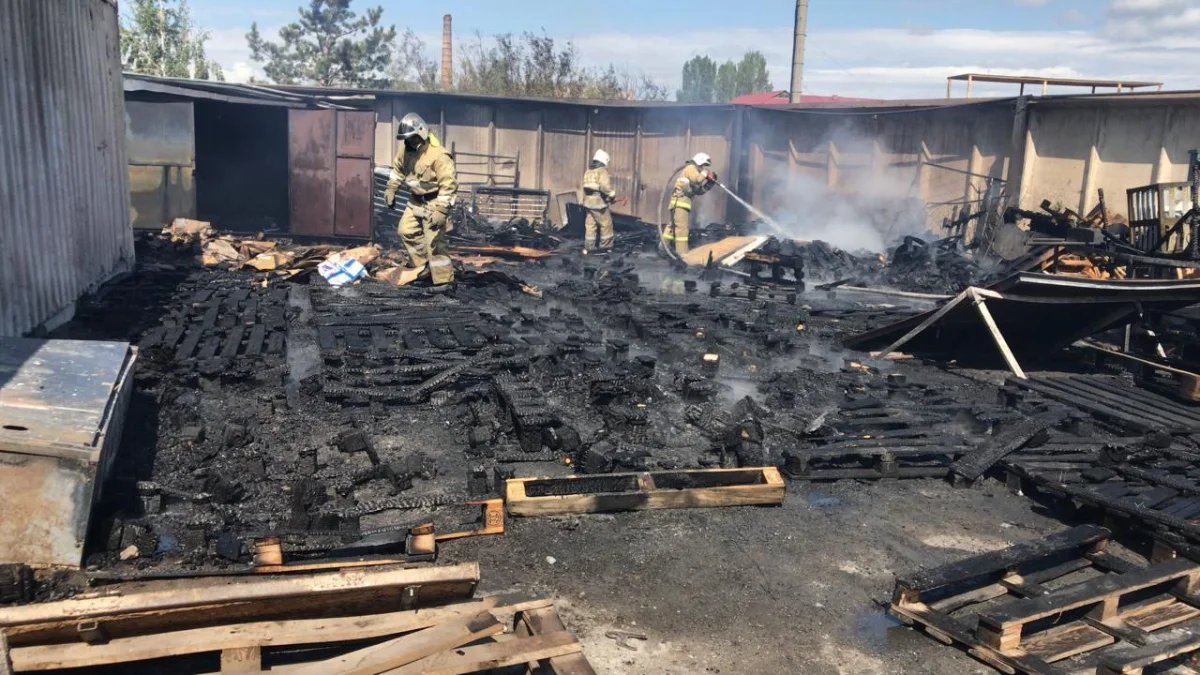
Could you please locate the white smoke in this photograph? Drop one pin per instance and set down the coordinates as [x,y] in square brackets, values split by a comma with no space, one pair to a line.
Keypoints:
[868,208]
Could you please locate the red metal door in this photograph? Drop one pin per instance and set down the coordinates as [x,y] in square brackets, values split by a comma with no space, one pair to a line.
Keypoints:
[312,171]
[355,173]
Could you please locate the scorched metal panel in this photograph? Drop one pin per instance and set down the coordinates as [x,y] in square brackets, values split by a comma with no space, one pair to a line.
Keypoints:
[353,204]
[311,143]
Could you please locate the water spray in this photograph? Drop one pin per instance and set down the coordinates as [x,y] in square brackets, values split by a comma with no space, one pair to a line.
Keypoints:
[761,216]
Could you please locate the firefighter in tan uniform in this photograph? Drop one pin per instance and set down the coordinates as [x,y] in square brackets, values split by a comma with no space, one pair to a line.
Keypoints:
[695,180]
[598,193]
[427,172]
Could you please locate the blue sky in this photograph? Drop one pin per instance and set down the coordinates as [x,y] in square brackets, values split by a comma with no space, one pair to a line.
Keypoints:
[871,48]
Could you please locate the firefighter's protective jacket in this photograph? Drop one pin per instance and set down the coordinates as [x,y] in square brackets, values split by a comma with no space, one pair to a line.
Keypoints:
[693,181]
[598,190]
[425,173]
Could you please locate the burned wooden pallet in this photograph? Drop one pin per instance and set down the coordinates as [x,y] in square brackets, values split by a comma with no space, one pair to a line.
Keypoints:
[894,459]
[640,491]
[1059,604]
[1160,503]
[1113,400]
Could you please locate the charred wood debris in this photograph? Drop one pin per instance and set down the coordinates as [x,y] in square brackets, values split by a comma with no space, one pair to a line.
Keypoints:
[339,418]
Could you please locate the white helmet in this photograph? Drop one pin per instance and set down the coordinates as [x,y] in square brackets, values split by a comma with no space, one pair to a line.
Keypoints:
[702,159]
[601,158]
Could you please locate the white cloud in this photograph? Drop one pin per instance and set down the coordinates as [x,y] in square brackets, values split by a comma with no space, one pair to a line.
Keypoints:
[885,63]
[1144,20]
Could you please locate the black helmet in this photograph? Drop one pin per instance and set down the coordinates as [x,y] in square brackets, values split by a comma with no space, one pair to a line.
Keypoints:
[412,125]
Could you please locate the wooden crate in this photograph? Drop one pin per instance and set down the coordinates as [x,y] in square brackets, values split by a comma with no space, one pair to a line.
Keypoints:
[640,491]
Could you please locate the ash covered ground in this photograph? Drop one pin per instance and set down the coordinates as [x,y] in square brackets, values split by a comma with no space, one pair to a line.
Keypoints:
[324,415]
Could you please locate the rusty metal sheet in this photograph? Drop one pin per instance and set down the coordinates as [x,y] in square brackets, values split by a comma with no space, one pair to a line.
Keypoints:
[352,207]
[62,405]
[160,133]
[356,134]
[311,147]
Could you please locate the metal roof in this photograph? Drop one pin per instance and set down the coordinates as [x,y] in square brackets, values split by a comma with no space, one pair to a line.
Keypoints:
[228,92]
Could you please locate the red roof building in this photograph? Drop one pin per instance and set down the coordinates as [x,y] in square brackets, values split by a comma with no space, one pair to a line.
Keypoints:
[781,98]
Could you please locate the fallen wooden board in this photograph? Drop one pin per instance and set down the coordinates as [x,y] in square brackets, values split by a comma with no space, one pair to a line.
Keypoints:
[495,655]
[641,491]
[406,649]
[545,620]
[264,634]
[975,463]
[125,611]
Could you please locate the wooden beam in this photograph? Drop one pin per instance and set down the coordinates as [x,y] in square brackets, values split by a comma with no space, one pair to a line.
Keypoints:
[404,650]
[264,634]
[494,655]
[998,337]
[929,321]
[188,604]
[543,621]
[714,488]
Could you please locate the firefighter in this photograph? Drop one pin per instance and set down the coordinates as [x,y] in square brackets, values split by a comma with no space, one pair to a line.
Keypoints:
[426,170]
[696,179]
[598,194]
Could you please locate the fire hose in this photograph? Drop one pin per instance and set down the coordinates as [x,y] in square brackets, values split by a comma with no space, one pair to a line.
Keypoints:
[669,251]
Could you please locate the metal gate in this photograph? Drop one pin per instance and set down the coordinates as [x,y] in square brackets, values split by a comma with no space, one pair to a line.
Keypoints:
[330,159]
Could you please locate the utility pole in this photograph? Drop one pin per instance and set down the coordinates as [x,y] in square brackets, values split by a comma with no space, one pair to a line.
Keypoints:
[798,49]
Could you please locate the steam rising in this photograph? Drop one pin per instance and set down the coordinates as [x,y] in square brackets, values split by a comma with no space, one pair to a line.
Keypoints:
[869,208]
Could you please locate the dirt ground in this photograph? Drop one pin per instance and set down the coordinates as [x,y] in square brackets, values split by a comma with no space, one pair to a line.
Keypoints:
[792,589]
[798,588]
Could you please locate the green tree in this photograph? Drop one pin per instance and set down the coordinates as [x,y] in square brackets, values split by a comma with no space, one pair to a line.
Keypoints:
[752,75]
[706,82]
[158,37]
[699,81]
[727,83]
[412,68]
[330,46]
[537,65]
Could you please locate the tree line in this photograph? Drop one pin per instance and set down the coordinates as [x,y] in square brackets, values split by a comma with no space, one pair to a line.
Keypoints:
[331,45]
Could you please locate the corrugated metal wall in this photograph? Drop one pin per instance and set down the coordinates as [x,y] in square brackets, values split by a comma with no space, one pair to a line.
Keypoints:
[555,142]
[64,184]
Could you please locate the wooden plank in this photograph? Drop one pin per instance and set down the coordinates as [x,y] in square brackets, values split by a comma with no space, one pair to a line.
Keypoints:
[406,649]
[997,336]
[495,655]
[929,321]
[174,605]
[1134,422]
[543,621]
[770,490]
[241,660]
[1180,641]
[1062,642]
[265,634]
[1103,590]
[976,462]
[1073,542]
[1091,388]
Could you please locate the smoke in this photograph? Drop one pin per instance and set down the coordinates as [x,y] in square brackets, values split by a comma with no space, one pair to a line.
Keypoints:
[868,208]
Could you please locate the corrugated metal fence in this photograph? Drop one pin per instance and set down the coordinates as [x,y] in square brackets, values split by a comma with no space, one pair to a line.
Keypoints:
[64,185]
[552,143]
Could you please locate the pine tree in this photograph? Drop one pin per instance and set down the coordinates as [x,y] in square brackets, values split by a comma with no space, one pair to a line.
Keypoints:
[330,46]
